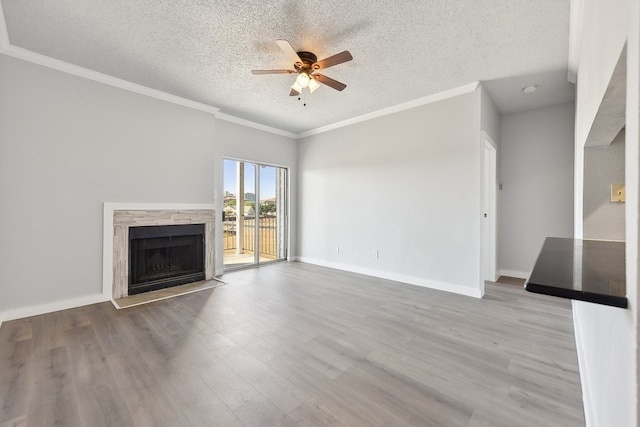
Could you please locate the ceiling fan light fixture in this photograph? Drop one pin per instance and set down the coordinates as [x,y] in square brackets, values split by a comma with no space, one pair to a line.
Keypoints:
[306,64]
[297,87]
[313,85]
[303,79]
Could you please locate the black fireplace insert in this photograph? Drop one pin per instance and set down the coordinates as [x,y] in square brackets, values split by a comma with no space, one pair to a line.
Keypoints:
[165,255]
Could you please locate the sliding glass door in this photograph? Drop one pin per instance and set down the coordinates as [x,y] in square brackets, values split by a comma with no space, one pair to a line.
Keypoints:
[255,214]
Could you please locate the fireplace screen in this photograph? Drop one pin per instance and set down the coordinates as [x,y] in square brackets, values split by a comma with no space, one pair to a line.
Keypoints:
[164,256]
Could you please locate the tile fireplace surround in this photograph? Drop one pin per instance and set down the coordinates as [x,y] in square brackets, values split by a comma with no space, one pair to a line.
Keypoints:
[118,217]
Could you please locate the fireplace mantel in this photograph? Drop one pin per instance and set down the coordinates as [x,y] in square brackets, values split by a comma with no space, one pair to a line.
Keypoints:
[118,217]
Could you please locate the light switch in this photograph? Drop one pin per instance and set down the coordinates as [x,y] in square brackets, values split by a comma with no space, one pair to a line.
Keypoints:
[617,193]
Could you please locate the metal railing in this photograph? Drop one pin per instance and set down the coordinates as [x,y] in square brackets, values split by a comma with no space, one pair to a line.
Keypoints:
[267,234]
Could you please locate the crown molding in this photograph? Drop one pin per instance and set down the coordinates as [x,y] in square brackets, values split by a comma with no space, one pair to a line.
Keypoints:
[65,67]
[468,88]
[56,64]
[248,123]
[4,34]
[576,17]
[27,55]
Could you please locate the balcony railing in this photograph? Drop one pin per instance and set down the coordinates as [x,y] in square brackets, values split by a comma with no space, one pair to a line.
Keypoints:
[267,234]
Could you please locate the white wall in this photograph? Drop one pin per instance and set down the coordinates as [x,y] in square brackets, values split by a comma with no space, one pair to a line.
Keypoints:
[67,145]
[491,117]
[632,184]
[603,166]
[406,185]
[604,32]
[607,337]
[242,143]
[536,171]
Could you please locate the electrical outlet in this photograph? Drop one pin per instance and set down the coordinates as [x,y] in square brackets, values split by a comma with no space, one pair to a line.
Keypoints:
[617,193]
[376,254]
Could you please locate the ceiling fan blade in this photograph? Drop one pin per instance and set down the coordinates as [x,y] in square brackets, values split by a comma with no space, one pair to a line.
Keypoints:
[289,51]
[294,92]
[329,81]
[272,71]
[336,59]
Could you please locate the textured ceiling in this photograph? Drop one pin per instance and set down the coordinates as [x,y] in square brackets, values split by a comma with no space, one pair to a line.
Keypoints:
[205,50]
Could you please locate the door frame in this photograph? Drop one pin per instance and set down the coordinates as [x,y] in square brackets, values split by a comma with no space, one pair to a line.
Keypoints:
[489,225]
[286,216]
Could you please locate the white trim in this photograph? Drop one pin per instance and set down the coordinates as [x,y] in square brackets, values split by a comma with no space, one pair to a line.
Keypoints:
[20,313]
[440,286]
[248,123]
[4,34]
[576,16]
[47,61]
[582,364]
[514,273]
[107,233]
[486,136]
[255,162]
[461,90]
[56,64]
[221,270]
[489,226]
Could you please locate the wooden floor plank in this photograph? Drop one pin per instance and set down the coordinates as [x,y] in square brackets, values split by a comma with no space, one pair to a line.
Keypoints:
[273,386]
[16,368]
[295,344]
[52,401]
[345,406]
[197,401]
[260,412]
[96,393]
[226,383]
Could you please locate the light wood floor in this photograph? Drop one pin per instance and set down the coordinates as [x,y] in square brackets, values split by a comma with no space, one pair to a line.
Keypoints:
[293,344]
[508,280]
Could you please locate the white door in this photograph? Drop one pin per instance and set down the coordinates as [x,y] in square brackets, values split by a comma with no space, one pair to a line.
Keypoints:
[489,184]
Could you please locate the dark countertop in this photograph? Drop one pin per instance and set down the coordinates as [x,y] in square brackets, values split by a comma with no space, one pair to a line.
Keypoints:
[586,270]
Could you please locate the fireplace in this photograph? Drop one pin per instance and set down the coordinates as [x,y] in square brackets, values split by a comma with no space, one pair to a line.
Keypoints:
[120,218]
[162,256]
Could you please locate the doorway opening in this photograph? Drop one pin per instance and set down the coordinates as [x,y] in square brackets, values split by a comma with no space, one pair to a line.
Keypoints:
[489,224]
[254,214]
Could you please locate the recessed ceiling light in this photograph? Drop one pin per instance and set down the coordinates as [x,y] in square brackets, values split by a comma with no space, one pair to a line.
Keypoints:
[529,89]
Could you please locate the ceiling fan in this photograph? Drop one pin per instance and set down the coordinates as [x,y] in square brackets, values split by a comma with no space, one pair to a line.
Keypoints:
[306,64]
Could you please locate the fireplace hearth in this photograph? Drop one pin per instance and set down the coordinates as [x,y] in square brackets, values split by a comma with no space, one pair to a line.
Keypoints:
[162,256]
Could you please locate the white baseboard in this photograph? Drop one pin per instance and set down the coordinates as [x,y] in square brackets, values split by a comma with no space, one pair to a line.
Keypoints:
[582,368]
[514,273]
[447,287]
[22,312]
[35,310]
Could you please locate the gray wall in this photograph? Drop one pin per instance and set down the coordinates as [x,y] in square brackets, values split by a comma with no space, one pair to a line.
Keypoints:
[67,145]
[603,166]
[536,171]
[406,185]
[239,142]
